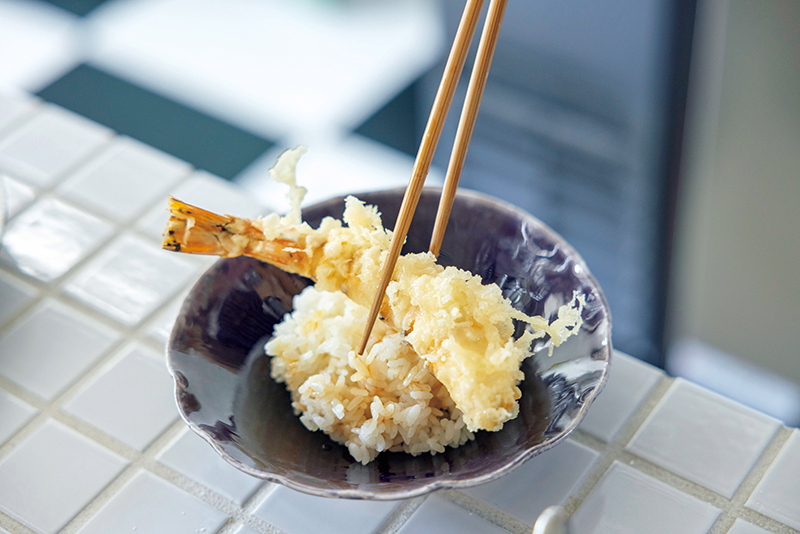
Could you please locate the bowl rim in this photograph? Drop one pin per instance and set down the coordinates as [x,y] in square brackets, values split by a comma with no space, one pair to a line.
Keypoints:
[433,484]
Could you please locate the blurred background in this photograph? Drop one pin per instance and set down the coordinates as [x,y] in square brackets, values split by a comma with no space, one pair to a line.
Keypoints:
[660,137]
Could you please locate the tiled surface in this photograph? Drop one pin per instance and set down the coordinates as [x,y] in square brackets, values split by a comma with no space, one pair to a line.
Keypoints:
[297,513]
[131,400]
[13,414]
[17,194]
[704,437]
[206,190]
[191,456]
[87,305]
[778,494]
[14,295]
[49,145]
[13,106]
[149,504]
[523,494]
[627,500]
[443,517]
[51,348]
[52,475]
[131,278]
[628,385]
[160,327]
[51,237]
[124,180]
[743,527]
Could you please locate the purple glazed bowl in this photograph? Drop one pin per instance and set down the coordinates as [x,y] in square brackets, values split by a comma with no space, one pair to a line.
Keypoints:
[225,393]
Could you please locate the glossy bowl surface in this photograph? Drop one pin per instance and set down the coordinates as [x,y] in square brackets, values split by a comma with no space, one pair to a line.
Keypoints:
[225,392]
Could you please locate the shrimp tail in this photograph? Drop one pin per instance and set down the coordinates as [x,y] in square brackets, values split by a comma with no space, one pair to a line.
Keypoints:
[194,230]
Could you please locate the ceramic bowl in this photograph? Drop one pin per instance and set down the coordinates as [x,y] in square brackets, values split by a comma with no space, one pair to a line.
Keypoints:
[225,393]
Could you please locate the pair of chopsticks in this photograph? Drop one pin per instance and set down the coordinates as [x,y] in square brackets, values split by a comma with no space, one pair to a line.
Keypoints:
[433,130]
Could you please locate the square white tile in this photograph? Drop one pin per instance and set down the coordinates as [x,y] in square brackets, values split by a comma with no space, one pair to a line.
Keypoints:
[704,437]
[629,383]
[160,327]
[50,237]
[131,400]
[206,191]
[14,295]
[244,529]
[778,494]
[190,455]
[52,347]
[124,180]
[13,106]
[149,504]
[540,482]
[14,413]
[131,278]
[743,527]
[298,513]
[628,501]
[49,145]
[18,195]
[443,517]
[52,475]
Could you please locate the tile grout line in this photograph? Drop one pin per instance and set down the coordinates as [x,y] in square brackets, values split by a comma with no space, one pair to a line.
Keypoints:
[486,511]
[738,509]
[57,178]
[65,173]
[56,288]
[19,122]
[137,460]
[609,452]
[731,509]
[259,496]
[127,336]
[401,515]
[124,451]
[12,525]
[38,286]
[9,386]
[52,409]
[145,462]
[678,482]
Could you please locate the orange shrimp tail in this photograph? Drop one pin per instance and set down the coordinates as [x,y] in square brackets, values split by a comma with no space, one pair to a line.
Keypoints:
[194,230]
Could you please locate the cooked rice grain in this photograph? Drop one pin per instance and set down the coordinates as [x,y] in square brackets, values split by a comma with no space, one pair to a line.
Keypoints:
[385,399]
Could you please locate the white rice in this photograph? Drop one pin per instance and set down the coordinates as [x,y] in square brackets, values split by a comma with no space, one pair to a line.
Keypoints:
[385,399]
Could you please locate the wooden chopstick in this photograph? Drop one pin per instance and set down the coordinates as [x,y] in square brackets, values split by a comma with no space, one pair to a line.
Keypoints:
[466,124]
[427,147]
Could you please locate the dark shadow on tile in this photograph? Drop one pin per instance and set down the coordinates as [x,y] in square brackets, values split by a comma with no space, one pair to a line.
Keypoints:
[205,142]
[78,7]
[397,123]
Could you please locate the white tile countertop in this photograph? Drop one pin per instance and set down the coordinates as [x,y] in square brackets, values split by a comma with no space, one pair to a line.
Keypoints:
[91,441]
